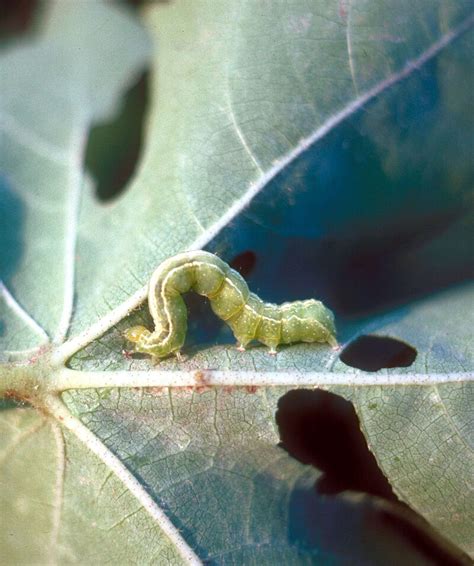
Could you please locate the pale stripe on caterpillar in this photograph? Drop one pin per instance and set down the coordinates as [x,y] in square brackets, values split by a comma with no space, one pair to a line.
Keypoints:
[247,315]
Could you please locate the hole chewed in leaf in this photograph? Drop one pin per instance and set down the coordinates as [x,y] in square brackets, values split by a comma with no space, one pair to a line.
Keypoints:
[372,353]
[244,263]
[16,17]
[114,148]
[322,429]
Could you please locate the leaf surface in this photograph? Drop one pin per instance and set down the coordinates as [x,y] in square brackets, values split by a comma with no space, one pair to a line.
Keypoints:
[314,135]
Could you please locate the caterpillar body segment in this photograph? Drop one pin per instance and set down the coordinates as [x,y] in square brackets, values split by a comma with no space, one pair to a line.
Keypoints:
[248,316]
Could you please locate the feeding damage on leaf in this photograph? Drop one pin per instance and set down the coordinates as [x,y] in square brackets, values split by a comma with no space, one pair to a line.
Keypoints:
[248,316]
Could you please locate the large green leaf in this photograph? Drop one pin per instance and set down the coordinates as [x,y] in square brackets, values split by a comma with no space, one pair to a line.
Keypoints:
[52,91]
[354,113]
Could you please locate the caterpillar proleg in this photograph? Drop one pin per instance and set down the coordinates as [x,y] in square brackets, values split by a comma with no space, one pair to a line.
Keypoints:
[248,316]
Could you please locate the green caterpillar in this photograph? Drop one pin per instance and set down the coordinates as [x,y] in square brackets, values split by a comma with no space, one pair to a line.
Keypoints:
[247,315]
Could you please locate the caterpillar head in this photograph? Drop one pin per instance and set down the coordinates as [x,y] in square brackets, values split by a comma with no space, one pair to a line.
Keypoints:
[148,343]
[136,334]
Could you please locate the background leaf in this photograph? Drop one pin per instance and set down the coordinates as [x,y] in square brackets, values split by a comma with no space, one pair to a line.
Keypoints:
[54,88]
[255,86]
